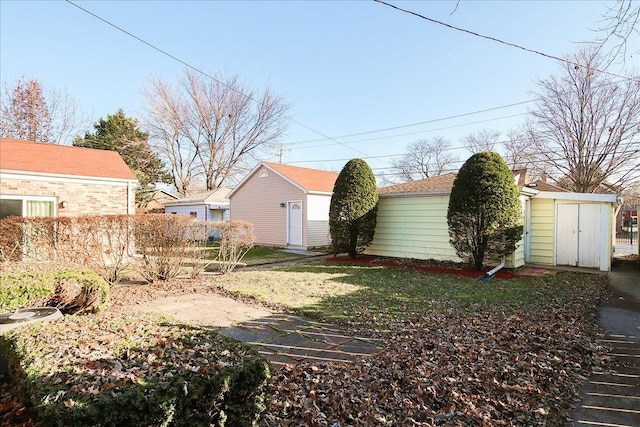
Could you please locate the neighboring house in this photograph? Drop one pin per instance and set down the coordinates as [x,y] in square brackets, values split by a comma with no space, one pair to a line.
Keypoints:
[288,205]
[561,227]
[156,202]
[207,206]
[42,179]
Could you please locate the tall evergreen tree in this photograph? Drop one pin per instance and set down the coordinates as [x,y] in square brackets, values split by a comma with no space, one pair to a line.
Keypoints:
[485,214]
[354,208]
[121,133]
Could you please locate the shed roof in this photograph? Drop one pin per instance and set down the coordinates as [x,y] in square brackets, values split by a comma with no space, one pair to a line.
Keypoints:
[212,196]
[546,186]
[308,179]
[433,184]
[46,158]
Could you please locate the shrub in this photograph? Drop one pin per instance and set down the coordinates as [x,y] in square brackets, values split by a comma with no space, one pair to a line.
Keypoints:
[20,289]
[485,213]
[168,244]
[102,243]
[236,239]
[136,369]
[354,208]
[70,290]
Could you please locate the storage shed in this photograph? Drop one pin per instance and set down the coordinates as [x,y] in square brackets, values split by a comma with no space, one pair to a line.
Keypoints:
[288,205]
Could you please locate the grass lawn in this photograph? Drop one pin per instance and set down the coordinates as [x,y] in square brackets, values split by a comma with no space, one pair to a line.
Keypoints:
[256,255]
[458,351]
[360,294]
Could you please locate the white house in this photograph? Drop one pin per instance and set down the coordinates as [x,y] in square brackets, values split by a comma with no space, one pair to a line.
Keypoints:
[207,206]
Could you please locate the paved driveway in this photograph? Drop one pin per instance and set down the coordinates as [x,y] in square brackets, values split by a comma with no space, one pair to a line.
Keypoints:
[613,398]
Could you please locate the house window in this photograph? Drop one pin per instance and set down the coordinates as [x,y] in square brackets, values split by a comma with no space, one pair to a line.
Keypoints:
[28,206]
[193,214]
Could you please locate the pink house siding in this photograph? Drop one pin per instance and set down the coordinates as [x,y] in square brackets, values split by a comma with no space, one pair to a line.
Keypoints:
[259,203]
[262,199]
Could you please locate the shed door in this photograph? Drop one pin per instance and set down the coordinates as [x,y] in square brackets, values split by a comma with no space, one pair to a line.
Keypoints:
[294,234]
[578,235]
[567,235]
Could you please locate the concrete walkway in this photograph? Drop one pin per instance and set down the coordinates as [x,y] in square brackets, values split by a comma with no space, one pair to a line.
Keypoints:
[613,398]
[289,339]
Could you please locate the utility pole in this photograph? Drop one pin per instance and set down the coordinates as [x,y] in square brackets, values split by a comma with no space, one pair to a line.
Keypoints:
[281,151]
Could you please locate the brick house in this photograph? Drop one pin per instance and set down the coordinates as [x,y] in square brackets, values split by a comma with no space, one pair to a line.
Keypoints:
[42,179]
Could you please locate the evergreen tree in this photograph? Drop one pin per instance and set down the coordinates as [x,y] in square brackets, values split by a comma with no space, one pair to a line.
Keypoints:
[122,134]
[354,208]
[485,213]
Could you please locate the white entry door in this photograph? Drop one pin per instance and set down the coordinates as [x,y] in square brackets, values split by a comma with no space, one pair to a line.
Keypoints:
[578,238]
[294,219]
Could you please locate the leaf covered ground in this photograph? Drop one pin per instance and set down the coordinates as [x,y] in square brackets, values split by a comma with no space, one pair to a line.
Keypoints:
[459,352]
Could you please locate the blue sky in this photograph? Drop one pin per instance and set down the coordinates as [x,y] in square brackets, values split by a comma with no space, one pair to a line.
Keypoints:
[345,67]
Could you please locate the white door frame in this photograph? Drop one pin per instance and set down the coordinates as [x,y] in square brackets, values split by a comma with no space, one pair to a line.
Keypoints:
[294,239]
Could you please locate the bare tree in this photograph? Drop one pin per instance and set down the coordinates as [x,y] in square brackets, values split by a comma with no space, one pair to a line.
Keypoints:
[520,152]
[586,126]
[619,24]
[482,140]
[424,158]
[207,128]
[31,113]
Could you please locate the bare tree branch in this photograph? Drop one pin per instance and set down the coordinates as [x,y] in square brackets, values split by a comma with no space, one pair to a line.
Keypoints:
[482,140]
[207,130]
[587,126]
[424,158]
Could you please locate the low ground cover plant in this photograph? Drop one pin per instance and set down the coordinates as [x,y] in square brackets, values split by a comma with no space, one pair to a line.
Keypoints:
[72,290]
[134,369]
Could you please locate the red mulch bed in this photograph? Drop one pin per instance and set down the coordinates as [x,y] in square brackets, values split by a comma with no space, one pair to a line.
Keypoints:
[425,265]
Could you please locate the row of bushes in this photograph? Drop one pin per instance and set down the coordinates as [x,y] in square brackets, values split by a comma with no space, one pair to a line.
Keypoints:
[70,290]
[134,370]
[167,245]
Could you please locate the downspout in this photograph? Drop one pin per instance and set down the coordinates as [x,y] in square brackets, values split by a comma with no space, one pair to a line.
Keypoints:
[491,273]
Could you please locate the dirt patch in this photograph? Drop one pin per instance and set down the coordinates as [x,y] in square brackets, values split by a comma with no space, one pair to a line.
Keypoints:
[194,301]
[426,265]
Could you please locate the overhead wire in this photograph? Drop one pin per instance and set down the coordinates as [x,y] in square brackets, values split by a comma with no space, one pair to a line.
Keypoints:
[497,40]
[186,64]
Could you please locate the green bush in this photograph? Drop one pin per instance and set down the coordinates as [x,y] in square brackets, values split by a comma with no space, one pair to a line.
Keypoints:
[485,214]
[20,289]
[134,370]
[70,290]
[354,208]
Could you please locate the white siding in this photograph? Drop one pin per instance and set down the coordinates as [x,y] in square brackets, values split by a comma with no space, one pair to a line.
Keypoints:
[318,220]
[200,210]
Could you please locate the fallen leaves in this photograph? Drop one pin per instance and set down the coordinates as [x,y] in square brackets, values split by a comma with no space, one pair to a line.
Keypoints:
[487,367]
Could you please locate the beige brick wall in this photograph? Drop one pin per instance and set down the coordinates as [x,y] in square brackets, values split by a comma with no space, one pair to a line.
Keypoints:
[83,197]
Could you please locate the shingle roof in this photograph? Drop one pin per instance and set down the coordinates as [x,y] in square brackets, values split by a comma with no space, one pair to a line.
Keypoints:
[309,179]
[212,196]
[434,184]
[545,186]
[45,158]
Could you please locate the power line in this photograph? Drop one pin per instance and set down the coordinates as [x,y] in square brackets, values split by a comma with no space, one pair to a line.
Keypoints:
[186,64]
[421,123]
[497,40]
[418,132]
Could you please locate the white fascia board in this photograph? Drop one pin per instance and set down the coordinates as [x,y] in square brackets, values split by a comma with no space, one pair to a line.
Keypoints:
[578,197]
[320,193]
